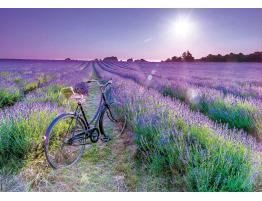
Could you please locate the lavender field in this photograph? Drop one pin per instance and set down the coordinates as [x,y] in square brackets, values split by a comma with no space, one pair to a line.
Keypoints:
[199,124]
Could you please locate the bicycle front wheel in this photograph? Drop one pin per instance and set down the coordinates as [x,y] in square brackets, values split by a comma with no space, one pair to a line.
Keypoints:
[113,121]
[58,152]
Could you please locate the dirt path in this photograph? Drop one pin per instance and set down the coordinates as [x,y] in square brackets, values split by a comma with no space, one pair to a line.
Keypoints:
[98,168]
[111,166]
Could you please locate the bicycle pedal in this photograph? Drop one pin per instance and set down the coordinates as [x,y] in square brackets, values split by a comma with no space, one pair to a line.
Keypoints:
[105,139]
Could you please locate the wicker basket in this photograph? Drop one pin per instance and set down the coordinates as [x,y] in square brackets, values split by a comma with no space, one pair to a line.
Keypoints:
[77,92]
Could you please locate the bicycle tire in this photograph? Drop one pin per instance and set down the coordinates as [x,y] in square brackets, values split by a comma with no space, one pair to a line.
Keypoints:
[118,118]
[48,141]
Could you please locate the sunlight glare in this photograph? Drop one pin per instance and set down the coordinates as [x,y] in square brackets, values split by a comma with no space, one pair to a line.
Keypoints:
[149,77]
[183,27]
[193,96]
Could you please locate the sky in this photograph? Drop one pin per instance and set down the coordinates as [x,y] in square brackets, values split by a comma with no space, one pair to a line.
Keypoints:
[152,34]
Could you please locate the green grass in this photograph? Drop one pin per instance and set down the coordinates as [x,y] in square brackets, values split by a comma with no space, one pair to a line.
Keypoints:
[104,166]
[178,93]
[5,74]
[191,153]
[241,115]
[217,164]
[51,94]
[206,161]
[9,98]
[19,81]
[31,86]
[43,78]
[22,139]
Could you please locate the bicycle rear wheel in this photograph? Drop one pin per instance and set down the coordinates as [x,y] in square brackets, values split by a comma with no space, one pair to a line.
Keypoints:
[58,151]
[112,121]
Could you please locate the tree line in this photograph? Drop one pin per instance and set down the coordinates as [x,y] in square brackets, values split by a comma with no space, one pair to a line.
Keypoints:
[232,57]
[188,57]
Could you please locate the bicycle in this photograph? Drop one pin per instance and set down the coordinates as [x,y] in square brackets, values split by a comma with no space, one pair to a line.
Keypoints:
[69,133]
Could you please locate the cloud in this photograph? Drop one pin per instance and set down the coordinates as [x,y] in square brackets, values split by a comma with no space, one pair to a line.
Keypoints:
[147,40]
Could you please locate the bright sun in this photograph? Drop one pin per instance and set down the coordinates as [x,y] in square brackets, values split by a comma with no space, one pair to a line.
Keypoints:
[183,27]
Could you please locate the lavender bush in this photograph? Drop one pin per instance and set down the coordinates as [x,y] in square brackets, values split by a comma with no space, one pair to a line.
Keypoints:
[237,112]
[23,124]
[172,138]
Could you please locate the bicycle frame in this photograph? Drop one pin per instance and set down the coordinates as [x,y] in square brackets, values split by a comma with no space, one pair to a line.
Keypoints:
[79,110]
[78,131]
[102,104]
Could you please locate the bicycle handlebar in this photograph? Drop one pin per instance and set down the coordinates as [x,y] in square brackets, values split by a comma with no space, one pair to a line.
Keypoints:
[99,84]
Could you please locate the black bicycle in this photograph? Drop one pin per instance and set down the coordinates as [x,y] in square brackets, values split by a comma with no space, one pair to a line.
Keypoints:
[69,133]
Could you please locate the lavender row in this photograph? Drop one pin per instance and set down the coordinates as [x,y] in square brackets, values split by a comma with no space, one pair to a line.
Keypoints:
[35,74]
[171,136]
[244,81]
[43,95]
[236,111]
[23,124]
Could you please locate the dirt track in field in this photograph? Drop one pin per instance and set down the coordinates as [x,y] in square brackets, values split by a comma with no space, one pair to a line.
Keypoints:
[111,166]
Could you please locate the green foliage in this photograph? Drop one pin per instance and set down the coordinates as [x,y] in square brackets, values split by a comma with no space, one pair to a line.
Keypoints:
[240,115]
[43,78]
[34,85]
[67,92]
[19,81]
[204,160]
[51,94]
[8,98]
[31,86]
[216,164]
[169,91]
[5,74]
[22,138]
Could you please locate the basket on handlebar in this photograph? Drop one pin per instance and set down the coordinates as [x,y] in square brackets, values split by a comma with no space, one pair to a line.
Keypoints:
[77,92]
[81,88]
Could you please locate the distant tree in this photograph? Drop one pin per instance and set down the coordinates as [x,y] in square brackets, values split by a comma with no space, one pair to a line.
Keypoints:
[130,60]
[255,57]
[187,56]
[240,57]
[67,59]
[213,58]
[111,59]
[230,57]
[176,59]
[173,59]
[140,60]
[219,58]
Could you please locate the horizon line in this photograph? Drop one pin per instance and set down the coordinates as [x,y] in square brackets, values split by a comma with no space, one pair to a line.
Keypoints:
[123,59]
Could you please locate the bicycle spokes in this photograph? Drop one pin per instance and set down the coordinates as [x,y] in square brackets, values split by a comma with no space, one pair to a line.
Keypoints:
[68,134]
[59,151]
